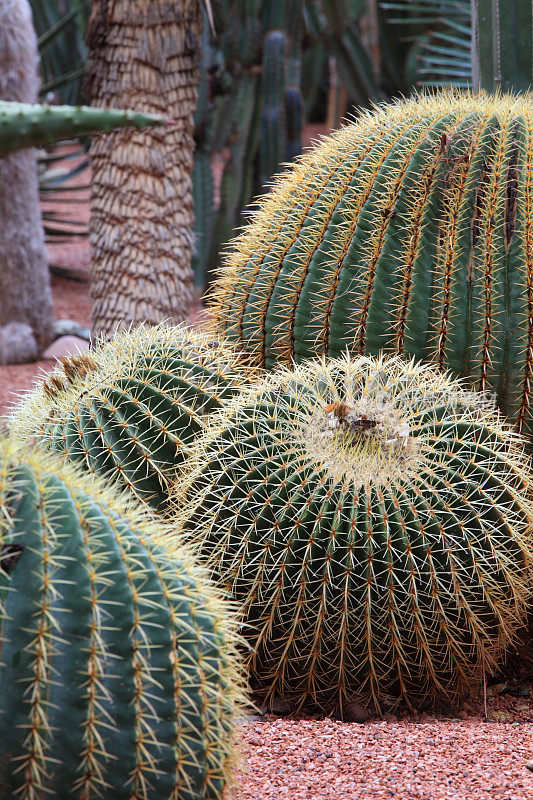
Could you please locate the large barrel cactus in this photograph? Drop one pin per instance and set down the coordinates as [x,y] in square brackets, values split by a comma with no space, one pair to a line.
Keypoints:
[410,230]
[131,408]
[373,520]
[118,676]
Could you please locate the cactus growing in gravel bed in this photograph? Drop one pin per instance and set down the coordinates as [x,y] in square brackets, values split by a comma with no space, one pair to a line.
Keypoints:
[410,230]
[33,125]
[131,408]
[118,675]
[372,518]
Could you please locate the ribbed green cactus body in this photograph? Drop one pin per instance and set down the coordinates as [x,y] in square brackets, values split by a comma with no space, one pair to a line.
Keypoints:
[273,113]
[117,675]
[131,408]
[410,230]
[372,519]
[28,125]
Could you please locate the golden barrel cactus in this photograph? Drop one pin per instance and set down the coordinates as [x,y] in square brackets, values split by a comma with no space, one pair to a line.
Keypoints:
[373,520]
[409,230]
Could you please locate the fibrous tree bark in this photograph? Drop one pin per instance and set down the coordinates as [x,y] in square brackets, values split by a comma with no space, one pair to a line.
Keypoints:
[143,55]
[26,311]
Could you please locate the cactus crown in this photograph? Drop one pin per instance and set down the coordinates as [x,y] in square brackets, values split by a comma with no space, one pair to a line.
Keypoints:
[132,406]
[118,674]
[363,434]
[373,518]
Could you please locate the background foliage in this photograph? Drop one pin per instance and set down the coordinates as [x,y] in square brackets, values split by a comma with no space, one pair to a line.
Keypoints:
[268,66]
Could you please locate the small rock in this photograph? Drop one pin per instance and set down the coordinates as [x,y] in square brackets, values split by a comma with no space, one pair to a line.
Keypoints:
[278,705]
[255,741]
[497,688]
[529,765]
[355,713]
[500,716]
[66,346]
[17,344]
[522,690]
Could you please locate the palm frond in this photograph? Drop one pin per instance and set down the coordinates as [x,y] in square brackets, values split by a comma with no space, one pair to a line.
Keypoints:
[441,49]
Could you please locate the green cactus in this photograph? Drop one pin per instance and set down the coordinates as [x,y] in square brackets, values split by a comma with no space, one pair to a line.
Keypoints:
[131,408]
[411,231]
[247,117]
[502,47]
[118,675]
[273,117]
[372,518]
[27,125]
[204,210]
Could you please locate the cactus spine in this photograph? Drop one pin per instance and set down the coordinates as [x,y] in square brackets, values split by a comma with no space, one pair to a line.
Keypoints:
[131,408]
[372,518]
[118,676]
[29,125]
[410,231]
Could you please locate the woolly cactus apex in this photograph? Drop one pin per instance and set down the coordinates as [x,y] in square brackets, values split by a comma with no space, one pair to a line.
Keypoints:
[410,230]
[131,408]
[118,675]
[372,518]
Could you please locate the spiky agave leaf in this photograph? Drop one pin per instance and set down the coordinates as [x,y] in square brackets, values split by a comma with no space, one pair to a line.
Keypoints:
[131,408]
[372,517]
[118,673]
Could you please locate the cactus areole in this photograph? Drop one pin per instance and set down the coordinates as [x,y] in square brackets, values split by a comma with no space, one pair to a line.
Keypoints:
[410,230]
[372,519]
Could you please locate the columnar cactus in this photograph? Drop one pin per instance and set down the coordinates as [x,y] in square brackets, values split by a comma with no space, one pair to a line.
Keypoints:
[118,675]
[131,408]
[33,125]
[372,518]
[410,230]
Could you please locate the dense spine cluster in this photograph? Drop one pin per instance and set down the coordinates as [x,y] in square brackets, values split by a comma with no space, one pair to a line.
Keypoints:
[372,519]
[118,676]
[131,408]
[410,230]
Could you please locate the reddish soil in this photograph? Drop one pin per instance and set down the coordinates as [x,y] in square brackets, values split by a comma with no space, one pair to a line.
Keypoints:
[459,755]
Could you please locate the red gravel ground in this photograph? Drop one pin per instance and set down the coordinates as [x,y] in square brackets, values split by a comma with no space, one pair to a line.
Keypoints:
[425,760]
[415,758]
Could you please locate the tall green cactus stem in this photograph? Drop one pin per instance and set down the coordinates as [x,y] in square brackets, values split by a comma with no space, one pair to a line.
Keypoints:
[502,46]
[118,675]
[27,125]
[273,117]
[410,230]
[373,520]
[131,408]
[204,211]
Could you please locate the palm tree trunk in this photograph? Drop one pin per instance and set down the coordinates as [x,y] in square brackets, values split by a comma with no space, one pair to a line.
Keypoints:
[143,56]
[26,311]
